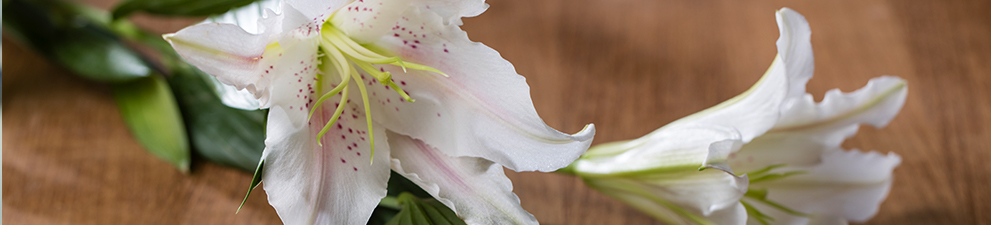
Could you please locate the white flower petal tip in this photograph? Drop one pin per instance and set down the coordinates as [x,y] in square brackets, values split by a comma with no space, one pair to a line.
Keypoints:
[795,49]
[584,135]
[876,103]
[756,110]
[475,188]
[211,48]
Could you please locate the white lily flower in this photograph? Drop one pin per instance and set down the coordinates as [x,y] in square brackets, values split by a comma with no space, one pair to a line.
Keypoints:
[786,143]
[799,174]
[330,71]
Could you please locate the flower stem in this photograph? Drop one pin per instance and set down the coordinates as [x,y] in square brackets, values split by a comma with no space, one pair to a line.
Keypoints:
[569,170]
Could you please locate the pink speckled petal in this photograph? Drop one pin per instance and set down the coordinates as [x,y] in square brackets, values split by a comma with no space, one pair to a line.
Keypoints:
[335,183]
[367,21]
[475,188]
[482,110]
[263,63]
[321,9]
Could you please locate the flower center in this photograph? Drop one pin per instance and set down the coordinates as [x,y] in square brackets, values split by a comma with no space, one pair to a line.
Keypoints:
[346,57]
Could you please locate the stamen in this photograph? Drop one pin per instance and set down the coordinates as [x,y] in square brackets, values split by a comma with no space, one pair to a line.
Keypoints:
[385,78]
[333,119]
[327,96]
[344,69]
[400,91]
[345,55]
[381,76]
[354,53]
[419,67]
[368,115]
[358,47]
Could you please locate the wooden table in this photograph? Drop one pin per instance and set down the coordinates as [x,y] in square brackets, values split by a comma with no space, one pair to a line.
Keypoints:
[627,66]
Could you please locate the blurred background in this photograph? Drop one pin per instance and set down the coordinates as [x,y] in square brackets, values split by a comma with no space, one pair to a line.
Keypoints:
[628,66]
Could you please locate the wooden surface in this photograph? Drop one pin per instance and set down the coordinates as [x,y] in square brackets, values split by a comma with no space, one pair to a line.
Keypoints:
[627,66]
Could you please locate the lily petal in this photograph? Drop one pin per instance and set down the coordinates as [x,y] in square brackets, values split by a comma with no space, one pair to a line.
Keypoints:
[318,10]
[876,103]
[675,149]
[212,48]
[678,198]
[330,184]
[756,110]
[795,47]
[475,188]
[735,214]
[453,10]
[482,110]
[369,20]
[663,167]
[249,61]
[247,17]
[807,129]
[848,185]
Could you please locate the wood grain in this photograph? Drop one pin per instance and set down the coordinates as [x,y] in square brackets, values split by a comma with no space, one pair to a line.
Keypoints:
[628,66]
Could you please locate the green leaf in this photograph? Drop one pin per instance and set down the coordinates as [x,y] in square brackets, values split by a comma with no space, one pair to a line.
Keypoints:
[222,134]
[416,211]
[382,215]
[390,208]
[99,57]
[149,109]
[73,36]
[255,180]
[177,7]
[399,184]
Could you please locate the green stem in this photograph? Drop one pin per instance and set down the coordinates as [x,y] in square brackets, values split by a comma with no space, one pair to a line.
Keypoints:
[568,170]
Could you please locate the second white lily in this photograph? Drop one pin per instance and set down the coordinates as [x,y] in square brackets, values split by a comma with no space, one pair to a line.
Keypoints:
[786,145]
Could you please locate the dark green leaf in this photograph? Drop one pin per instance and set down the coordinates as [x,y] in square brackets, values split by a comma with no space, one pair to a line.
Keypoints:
[416,211]
[219,133]
[177,7]
[387,212]
[149,109]
[99,57]
[255,180]
[382,215]
[432,211]
[73,36]
[399,184]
